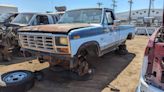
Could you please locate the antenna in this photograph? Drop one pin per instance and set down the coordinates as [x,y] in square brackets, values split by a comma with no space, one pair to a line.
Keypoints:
[114,5]
[99,4]
[130,10]
[150,4]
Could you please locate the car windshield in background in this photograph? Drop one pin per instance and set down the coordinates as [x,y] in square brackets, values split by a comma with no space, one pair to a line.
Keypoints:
[82,16]
[4,17]
[23,18]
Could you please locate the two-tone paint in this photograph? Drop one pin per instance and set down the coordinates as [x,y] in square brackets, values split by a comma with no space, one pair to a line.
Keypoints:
[104,35]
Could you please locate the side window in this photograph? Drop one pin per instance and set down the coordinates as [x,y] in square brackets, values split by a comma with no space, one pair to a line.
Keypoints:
[109,18]
[105,20]
[41,20]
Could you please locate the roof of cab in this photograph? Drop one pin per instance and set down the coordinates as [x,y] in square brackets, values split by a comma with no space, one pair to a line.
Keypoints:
[55,13]
[92,9]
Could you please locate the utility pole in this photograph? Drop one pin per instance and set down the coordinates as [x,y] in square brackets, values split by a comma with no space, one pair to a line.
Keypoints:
[114,5]
[130,10]
[99,4]
[150,3]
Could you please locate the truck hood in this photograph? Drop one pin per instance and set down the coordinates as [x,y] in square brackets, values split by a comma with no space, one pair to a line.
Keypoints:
[54,28]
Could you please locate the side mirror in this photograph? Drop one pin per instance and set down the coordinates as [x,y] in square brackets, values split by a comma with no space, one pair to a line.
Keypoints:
[117,22]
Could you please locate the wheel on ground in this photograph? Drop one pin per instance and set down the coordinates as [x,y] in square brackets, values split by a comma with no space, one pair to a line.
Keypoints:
[17,81]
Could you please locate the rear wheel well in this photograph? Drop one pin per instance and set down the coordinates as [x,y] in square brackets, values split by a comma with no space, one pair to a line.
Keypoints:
[130,36]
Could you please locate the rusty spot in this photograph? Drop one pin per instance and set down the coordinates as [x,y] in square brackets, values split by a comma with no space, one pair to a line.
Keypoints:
[63,28]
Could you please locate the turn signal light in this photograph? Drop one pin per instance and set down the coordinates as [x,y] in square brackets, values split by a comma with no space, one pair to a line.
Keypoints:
[63,50]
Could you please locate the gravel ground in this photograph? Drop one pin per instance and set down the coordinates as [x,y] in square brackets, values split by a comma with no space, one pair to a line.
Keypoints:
[112,71]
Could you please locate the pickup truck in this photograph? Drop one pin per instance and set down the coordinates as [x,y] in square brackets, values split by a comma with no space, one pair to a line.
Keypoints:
[9,37]
[78,34]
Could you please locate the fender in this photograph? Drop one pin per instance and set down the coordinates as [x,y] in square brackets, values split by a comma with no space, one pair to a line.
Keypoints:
[90,43]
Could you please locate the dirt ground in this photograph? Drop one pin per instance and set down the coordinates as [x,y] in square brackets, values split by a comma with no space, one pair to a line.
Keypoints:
[112,71]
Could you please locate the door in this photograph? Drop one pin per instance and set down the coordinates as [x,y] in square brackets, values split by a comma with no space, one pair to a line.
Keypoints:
[112,32]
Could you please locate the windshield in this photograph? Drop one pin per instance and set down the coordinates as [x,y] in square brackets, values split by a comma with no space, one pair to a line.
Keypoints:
[23,18]
[4,17]
[82,16]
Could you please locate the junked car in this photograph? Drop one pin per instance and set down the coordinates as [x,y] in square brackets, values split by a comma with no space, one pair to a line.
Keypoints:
[78,34]
[5,19]
[152,73]
[9,39]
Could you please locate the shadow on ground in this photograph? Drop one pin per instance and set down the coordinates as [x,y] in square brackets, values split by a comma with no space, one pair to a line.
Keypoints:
[107,69]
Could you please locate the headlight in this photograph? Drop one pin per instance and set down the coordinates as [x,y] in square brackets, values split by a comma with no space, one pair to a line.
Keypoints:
[61,41]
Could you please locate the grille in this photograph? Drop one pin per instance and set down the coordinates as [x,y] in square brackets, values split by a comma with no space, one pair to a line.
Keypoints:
[38,42]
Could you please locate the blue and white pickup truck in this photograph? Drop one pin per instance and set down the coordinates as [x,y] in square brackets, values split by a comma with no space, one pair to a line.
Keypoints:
[79,33]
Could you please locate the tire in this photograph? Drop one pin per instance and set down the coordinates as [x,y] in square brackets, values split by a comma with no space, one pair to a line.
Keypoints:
[18,81]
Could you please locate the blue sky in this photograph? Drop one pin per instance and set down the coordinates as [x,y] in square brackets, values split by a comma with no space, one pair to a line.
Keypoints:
[48,5]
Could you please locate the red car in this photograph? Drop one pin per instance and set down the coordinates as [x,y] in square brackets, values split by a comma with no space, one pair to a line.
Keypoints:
[152,74]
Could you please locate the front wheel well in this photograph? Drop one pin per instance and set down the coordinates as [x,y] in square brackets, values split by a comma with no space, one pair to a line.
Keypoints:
[92,48]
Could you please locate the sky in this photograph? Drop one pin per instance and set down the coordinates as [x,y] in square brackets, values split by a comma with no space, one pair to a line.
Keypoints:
[48,5]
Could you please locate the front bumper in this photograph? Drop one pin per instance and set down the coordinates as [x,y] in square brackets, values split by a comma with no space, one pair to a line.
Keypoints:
[65,57]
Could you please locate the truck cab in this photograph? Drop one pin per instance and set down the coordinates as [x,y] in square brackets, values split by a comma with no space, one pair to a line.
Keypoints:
[79,33]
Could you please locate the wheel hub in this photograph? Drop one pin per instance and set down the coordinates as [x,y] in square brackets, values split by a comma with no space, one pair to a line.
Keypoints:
[15,77]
